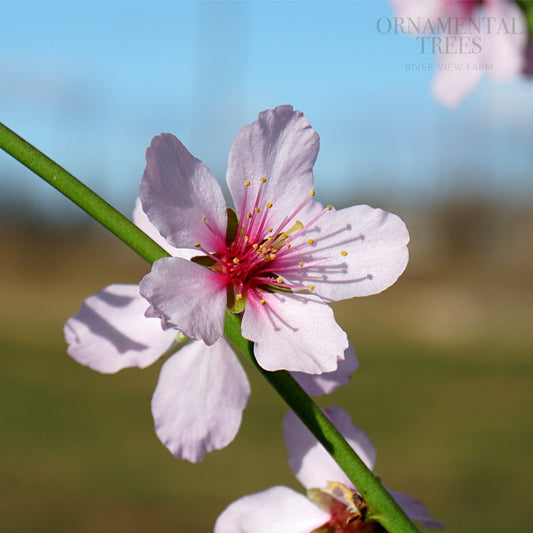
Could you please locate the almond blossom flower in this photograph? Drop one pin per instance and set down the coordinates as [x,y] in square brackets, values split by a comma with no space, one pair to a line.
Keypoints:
[279,260]
[202,390]
[480,36]
[332,505]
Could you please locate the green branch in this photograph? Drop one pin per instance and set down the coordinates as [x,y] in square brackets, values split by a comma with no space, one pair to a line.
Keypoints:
[381,505]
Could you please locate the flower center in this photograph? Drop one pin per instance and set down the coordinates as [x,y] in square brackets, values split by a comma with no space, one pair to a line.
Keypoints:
[347,510]
[254,255]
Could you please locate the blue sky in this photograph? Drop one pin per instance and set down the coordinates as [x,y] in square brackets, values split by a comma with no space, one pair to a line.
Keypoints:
[90,83]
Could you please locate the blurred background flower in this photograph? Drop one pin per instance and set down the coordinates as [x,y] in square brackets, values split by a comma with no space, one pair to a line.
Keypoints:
[446,369]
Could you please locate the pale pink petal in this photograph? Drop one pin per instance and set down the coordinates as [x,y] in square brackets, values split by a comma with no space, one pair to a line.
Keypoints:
[141,221]
[280,146]
[415,510]
[505,49]
[198,402]
[176,191]
[186,296]
[293,332]
[110,331]
[315,385]
[275,510]
[309,460]
[359,250]
[416,10]
[455,78]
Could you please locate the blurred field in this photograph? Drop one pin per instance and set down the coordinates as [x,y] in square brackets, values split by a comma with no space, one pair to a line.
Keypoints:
[444,389]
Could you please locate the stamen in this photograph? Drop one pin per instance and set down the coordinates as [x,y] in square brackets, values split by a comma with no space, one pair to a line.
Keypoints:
[344,253]
[216,234]
[197,245]
[249,215]
[269,204]
[330,207]
[279,280]
[256,209]
[301,263]
[311,287]
[235,260]
[310,241]
[262,302]
[263,180]
[312,192]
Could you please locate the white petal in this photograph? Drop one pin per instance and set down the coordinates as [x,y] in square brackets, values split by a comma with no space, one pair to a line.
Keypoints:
[280,146]
[294,332]
[363,251]
[176,191]
[315,385]
[110,331]
[275,510]
[198,402]
[186,296]
[415,510]
[309,460]
[142,222]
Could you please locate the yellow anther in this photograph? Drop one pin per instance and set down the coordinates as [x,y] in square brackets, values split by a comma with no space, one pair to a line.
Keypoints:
[272,256]
[279,280]
[288,244]
[249,215]
[283,236]
[246,183]
[235,260]
[312,192]
[269,204]
[344,253]
[263,180]
[238,296]
[204,219]
[262,302]
[270,230]
[197,245]
[330,207]
[256,209]
[311,287]
[297,226]
[255,246]
[310,241]
[301,263]
[246,238]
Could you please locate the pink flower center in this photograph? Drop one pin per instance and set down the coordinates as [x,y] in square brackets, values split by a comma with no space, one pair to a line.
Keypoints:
[347,510]
[254,256]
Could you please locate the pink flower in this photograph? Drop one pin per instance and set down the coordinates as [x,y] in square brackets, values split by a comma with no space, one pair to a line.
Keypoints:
[279,261]
[332,505]
[487,36]
[202,390]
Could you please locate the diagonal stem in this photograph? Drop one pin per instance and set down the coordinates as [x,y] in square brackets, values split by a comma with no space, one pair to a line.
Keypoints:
[381,505]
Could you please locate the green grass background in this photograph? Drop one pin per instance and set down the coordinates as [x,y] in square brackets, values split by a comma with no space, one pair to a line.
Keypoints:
[444,391]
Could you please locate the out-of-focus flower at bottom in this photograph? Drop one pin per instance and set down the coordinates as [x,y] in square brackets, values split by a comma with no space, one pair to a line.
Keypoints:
[332,504]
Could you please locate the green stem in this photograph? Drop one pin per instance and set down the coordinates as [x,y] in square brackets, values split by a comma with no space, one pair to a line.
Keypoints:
[527,8]
[80,194]
[381,505]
